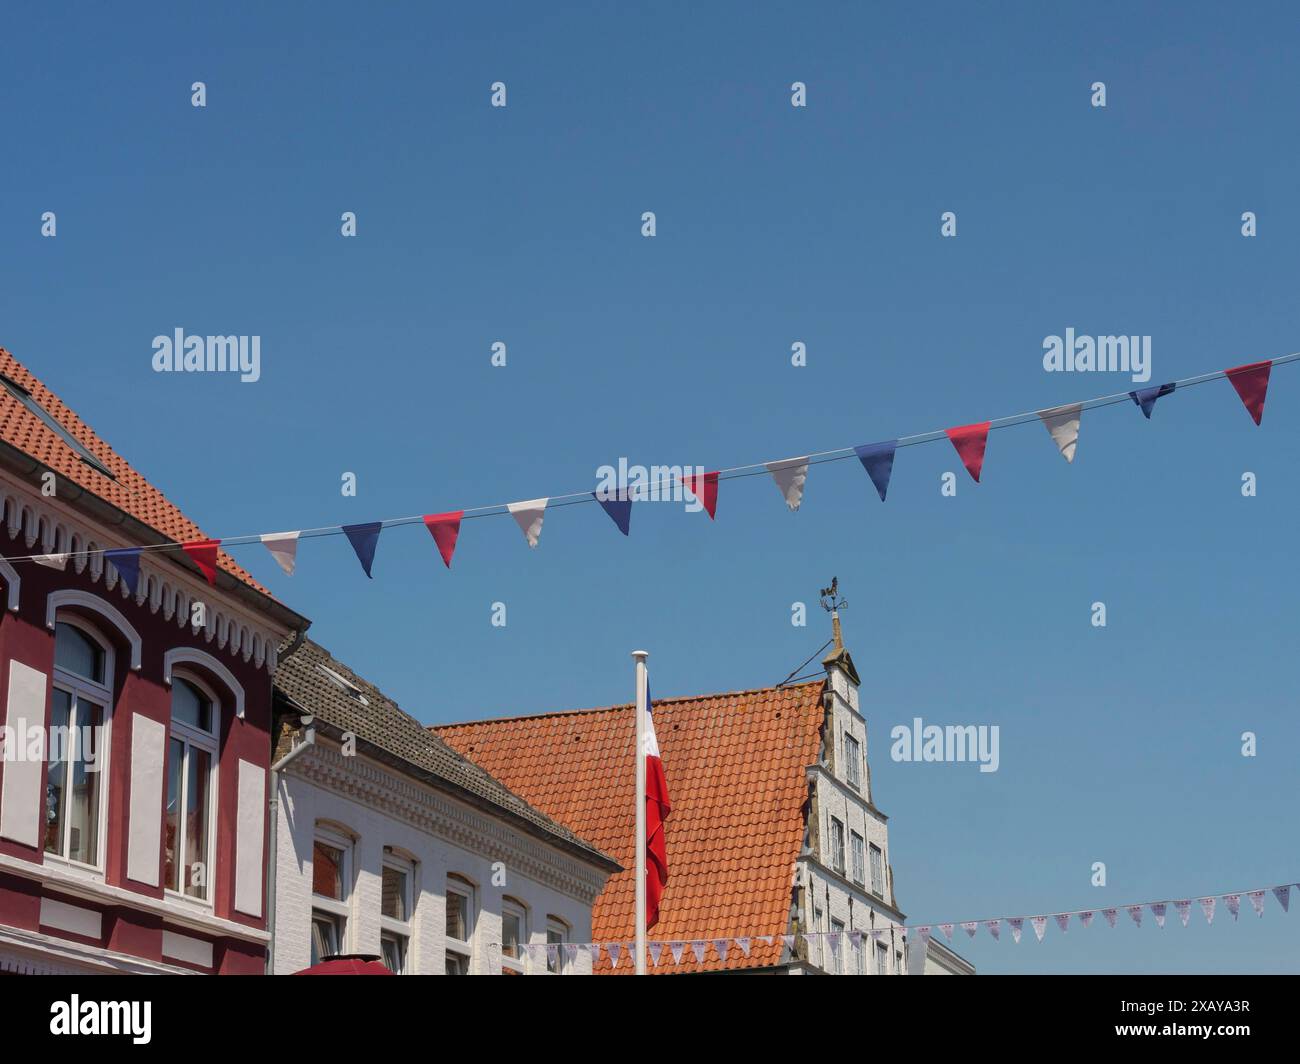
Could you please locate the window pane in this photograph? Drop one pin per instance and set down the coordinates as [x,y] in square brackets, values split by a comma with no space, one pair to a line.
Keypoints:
[512,931]
[324,937]
[190,706]
[394,894]
[172,825]
[393,948]
[457,965]
[56,775]
[196,824]
[76,652]
[327,871]
[83,802]
[555,937]
[457,905]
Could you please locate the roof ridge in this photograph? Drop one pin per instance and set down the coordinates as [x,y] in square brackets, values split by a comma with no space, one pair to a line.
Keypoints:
[623,705]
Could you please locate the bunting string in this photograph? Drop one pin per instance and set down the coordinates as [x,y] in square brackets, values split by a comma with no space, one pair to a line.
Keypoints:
[790,476]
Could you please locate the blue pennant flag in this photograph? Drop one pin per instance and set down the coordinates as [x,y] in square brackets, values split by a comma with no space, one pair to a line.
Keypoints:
[364,539]
[619,509]
[127,563]
[1146,397]
[878,460]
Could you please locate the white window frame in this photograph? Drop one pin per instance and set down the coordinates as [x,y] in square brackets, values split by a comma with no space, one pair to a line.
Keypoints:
[339,909]
[877,858]
[515,907]
[837,847]
[864,944]
[101,694]
[834,964]
[858,855]
[853,760]
[209,743]
[462,886]
[554,925]
[882,950]
[389,926]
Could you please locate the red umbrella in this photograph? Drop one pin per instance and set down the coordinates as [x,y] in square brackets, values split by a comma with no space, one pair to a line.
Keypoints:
[348,964]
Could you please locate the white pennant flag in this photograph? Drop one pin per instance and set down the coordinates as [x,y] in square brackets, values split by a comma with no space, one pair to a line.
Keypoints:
[721,945]
[1135,911]
[1207,907]
[1257,900]
[528,515]
[788,942]
[1063,922]
[698,947]
[925,933]
[1040,926]
[1184,910]
[1110,915]
[1158,910]
[594,949]
[1283,896]
[767,940]
[1233,902]
[570,953]
[1017,925]
[1063,424]
[655,949]
[284,549]
[875,936]
[676,949]
[52,561]
[743,943]
[947,931]
[1085,918]
[970,927]
[790,475]
[613,949]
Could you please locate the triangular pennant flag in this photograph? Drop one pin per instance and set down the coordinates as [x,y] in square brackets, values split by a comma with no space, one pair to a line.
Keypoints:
[614,950]
[619,508]
[1146,397]
[571,953]
[743,943]
[1135,911]
[855,939]
[970,441]
[676,949]
[203,552]
[528,515]
[788,942]
[593,948]
[52,561]
[1207,907]
[1063,426]
[790,475]
[1085,918]
[445,529]
[1251,382]
[655,949]
[704,486]
[1283,896]
[995,928]
[284,549]
[834,940]
[1110,915]
[722,946]
[878,460]
[1017,924]
[127,563]
[553,954]
[970,927]
[947,931]
[1233,902]
[1184,909]
[767,940]
[1063,922]
[698,948]
[875,936]
[924,932]
[1257,900]
[1039,924]
[1158,910]
[364,538]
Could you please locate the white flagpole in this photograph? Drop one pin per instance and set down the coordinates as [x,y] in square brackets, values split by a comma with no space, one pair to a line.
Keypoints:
[642,688]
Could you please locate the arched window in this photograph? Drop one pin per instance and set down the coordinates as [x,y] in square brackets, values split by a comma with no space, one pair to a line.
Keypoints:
[191,787]
[514,932]
[76,751]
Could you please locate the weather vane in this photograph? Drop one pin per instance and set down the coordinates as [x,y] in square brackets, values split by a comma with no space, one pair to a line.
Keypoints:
[831,602]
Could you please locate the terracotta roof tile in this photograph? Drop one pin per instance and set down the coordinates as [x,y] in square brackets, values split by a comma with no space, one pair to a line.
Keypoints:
[126,489]
[735,765]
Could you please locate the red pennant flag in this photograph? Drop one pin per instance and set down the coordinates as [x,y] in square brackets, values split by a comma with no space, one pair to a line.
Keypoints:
[444,528]
[1251,382]
[969,441]
[705,488]
[204,554]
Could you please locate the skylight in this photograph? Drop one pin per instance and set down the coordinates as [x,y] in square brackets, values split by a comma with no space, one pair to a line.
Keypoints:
[346,684]
[25,397]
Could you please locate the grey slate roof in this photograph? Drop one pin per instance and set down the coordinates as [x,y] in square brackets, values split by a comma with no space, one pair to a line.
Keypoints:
[381,724]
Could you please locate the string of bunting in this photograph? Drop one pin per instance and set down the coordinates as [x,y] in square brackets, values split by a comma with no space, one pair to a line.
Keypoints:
[790,475]
[834,940]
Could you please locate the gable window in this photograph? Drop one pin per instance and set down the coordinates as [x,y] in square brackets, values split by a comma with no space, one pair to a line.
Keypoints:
[514,933]
[395,912]
[857,850]
[877,871]
[331,890]
[83,670]
[837,845]
[853,761]
[557,934]
[460,924]
[191,761]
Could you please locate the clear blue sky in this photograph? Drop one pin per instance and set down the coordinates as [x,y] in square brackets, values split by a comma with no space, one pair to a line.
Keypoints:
[775,225]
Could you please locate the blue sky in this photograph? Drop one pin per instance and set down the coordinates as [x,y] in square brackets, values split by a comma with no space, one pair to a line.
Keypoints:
[775,225]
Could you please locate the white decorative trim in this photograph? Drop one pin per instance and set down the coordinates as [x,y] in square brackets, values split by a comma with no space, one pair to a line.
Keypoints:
[59,956]
[194,656]
[87,601]
[13,583]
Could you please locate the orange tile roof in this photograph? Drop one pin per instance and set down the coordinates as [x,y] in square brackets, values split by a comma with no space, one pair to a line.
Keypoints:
[735,765]
[126,489]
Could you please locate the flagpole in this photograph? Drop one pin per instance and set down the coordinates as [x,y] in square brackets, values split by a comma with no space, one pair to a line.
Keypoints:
[642,687]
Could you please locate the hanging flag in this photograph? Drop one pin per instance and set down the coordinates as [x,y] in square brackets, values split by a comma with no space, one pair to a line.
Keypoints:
[614,950]
[594,949]
[1158,910]
[788,942]
[1135,911]
[676,949]
[970,441]
[203,552]
[705,488]
[698,948]
[1251,382]
[657,809]
[570,953]
[1283,896]
[1017,924]
[127,563]
[528,515]
[655,949]
[1085,918]
[743,943]
[445,528]
[970,927]
[1110,915]
[1039,924]
[1184,909]
[1233,902]
[553,955]
[995,928]
[1063,426]
[947,931]
[722,946]
[364,539]
[834,941]
[52,561]
[1257,900]
[1207,907]
[284,549]
[1063,922]
[1146,397]
[618,507]
[790,475]
[878,460]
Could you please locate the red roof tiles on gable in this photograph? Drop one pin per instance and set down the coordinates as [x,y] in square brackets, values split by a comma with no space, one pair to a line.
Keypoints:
[735,765]
[126,489]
